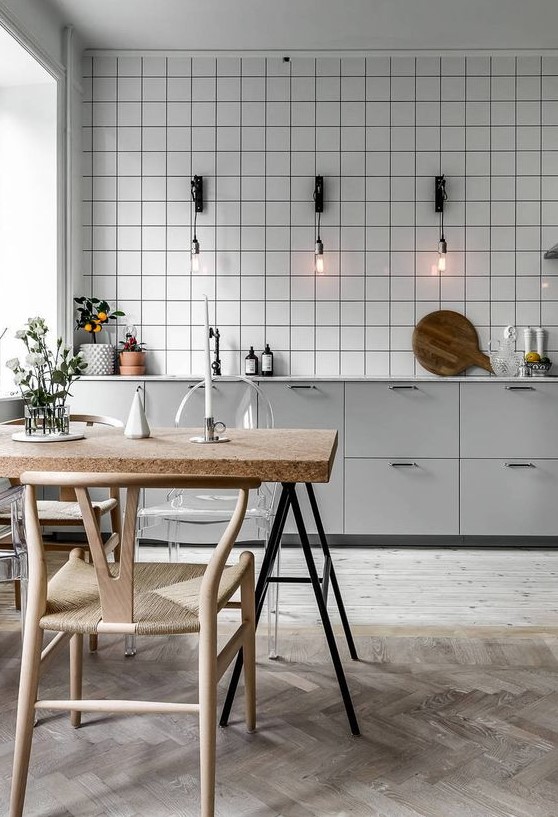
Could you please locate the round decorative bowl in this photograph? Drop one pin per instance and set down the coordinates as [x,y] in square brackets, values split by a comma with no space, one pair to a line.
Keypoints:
[539,369]
[506,365]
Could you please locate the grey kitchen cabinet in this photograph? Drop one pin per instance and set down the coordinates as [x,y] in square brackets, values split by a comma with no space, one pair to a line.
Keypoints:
[162,399]
[313,405]
[402,419]
[406,497]
[459,434]
[517,419]
[509,497]
[111,398]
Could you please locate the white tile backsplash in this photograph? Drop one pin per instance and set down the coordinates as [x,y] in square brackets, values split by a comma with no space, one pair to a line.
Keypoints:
[258,129]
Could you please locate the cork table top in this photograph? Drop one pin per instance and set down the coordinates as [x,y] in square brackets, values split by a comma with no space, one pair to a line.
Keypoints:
[271,455]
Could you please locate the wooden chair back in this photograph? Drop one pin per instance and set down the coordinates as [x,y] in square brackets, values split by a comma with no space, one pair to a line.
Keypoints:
[117,591]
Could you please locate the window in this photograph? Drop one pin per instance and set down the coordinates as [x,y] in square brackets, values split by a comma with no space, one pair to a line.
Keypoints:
[28,196]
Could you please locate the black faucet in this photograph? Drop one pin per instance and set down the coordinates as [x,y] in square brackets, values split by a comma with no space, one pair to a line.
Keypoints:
[216,365]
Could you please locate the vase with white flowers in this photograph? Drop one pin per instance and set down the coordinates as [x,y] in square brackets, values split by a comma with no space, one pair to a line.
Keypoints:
[44,379]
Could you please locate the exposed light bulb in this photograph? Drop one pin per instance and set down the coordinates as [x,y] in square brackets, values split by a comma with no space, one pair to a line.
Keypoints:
[442,250]
[319,257]
[195,255]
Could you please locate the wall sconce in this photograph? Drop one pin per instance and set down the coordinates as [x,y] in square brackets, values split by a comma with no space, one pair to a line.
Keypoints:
[318,209]
[197,198]
[440,197]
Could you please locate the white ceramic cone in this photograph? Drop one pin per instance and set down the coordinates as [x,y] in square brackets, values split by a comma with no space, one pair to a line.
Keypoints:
[137,426]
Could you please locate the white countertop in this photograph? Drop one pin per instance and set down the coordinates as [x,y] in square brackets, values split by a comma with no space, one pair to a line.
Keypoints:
[169,378]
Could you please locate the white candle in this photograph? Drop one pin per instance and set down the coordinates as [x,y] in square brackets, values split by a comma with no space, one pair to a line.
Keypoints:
[208,395]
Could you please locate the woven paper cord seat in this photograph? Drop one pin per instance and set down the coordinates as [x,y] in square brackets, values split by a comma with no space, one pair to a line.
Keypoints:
[55,512]
[165,597]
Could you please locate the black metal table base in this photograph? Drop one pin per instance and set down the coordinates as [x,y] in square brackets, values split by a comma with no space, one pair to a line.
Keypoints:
[289,501]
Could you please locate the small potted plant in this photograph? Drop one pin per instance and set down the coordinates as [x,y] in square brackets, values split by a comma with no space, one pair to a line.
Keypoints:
[94,315]
[44,379]
[132,354]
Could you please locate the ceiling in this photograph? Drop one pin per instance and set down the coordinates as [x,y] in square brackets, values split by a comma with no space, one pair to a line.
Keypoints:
[289,25]
[17,66]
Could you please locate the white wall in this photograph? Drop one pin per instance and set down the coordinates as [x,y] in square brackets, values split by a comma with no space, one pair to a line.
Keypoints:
[28,211]
[379,130]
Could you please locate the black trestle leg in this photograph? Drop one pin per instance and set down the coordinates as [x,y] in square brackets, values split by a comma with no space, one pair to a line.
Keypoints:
[329,571]
[266,570]
[313,573]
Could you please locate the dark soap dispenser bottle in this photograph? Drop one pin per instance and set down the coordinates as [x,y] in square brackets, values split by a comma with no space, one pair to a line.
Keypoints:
[267,362]
[251,363]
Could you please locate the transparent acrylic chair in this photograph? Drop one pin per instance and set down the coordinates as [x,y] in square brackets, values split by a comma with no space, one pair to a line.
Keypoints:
[198,517]
[13,554]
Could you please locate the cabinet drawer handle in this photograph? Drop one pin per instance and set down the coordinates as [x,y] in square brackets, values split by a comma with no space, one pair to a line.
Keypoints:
[519,388]
[403,465]
[199,386]
[519,465]
[396,388]
[299,387]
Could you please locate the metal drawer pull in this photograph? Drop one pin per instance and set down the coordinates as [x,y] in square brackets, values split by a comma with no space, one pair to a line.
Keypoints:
[394,388]
[299,387]
[199,386]
[519,465]
[403,465]
[519,388]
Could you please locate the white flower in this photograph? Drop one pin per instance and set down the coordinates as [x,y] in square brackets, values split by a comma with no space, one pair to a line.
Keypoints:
[13,363]
[21,334]
[35,359]
[19,377]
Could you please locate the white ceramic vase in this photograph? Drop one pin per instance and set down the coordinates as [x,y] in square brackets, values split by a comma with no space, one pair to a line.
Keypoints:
[99,358]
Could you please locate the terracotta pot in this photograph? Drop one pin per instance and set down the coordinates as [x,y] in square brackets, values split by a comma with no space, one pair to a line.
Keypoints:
[132,363]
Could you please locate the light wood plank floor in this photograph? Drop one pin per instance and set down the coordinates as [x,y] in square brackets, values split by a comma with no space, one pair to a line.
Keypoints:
[456,692]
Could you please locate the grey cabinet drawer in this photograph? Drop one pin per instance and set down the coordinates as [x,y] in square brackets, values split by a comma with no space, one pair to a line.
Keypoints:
[509,497]
[500,420]
[402,420]
[313,405]
[402,497]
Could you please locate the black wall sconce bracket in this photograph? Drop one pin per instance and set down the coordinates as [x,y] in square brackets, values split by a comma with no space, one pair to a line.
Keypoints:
[440,195]
[319,194]
[197,193]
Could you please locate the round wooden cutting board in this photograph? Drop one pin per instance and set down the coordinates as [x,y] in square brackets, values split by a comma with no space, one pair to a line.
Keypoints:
[446,343]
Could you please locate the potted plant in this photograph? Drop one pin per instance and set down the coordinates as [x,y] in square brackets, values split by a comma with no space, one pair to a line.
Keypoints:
[44,379]
[94,315]
[132,355]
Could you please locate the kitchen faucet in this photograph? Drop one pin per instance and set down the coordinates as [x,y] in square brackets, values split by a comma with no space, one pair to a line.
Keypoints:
[216,365]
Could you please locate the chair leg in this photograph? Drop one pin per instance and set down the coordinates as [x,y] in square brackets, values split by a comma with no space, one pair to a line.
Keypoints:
[174,544]
[76,675]
[28,686]
[17,594]
[130,646]
[208,717]
[248,610]
[273,610]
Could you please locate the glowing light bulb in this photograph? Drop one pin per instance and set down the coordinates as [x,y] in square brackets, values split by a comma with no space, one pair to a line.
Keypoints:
[195,255]
[319,257]
[442,250]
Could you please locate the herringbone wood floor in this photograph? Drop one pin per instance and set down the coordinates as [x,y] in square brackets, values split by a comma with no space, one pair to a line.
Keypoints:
[452,726]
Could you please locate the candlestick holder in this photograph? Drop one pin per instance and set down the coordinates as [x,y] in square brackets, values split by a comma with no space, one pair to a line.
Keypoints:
[209,435]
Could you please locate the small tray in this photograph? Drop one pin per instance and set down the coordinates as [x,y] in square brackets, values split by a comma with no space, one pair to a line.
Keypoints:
[22,437]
